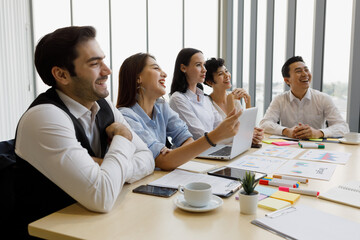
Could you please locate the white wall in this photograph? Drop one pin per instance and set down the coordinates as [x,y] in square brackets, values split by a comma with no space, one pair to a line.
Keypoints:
[16,72]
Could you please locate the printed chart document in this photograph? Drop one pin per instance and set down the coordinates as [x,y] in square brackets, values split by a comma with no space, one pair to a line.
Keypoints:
[195,166]
[326,156]
[275,151]
[348,194]
[307,169]
[220,186]
[258,163]
[304,222]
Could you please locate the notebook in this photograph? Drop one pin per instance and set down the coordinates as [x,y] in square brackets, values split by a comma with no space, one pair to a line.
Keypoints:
[348,194]
[241,141]
[304,222]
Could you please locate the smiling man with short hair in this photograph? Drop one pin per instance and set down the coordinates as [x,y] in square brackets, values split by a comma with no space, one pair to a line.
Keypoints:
[302,112]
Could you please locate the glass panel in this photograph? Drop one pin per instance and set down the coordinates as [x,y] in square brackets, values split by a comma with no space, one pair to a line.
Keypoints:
[304,30]
[246,44]
[337,59]
[127,39]
[279,46]
[46,21]
[260,57]
[201,28]
[234,77]
[165,34]
[96,15]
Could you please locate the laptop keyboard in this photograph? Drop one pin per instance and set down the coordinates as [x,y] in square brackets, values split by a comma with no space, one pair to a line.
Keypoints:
[225,151]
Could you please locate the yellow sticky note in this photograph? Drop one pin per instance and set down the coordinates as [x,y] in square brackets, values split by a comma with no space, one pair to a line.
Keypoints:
[333,139]
[269,141]
[316,139]
[286,196]
[273,204]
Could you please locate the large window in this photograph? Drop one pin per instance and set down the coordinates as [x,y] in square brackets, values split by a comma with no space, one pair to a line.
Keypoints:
[337,59]
[260,57]
[279,46]
[165,34]
[304,30]
[128,34]
[47,20]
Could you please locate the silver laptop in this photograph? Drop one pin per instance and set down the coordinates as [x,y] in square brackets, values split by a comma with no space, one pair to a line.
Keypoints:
[241,141]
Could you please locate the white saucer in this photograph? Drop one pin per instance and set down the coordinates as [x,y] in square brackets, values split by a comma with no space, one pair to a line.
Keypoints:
[343,140]
[214,203]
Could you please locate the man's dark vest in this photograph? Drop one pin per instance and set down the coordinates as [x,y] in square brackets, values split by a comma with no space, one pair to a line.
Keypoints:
[35,195]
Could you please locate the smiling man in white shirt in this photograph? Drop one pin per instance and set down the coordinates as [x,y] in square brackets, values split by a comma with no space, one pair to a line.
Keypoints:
[72,144]
[302,112]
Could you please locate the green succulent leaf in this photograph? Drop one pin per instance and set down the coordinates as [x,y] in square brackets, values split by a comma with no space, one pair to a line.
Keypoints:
[248,182]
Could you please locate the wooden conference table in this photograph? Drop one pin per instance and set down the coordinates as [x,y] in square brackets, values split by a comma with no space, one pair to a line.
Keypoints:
[138,216]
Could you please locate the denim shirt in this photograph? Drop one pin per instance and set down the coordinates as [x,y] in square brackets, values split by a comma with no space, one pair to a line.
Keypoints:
[164,123]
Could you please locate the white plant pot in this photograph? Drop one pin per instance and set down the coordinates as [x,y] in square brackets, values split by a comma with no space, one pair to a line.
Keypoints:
[248,203]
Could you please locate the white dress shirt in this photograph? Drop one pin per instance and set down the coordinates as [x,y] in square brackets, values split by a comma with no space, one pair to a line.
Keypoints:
[314,109]
[200,115]
[46,139]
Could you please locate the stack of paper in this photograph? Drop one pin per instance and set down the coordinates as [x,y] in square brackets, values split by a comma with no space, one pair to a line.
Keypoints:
[195,166]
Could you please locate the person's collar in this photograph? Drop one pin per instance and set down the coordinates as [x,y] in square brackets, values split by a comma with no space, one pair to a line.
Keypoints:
[191,95]
[139,111]
[77,109]
[306,96]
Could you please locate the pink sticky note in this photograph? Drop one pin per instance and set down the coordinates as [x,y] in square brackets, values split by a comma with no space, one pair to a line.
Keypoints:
[287,143]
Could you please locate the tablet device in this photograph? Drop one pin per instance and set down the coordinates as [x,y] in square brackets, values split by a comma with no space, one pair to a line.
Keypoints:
[155,191]
[234,173]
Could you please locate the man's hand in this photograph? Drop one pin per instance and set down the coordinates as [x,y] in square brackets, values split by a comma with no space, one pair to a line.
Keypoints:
[304,131]
[288,132]
[258,135]
[117,128]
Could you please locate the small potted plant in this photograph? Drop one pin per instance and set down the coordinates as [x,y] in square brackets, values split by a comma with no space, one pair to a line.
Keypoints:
[248,197]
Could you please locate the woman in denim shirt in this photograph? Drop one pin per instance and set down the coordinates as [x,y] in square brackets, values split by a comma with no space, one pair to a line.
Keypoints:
[141,86]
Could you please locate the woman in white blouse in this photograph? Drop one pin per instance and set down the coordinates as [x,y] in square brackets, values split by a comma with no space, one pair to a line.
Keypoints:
[187,97]
[224,101]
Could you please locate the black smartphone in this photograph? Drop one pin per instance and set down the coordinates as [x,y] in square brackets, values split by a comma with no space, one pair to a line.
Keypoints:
[256,145]
[234,173]
[155,191]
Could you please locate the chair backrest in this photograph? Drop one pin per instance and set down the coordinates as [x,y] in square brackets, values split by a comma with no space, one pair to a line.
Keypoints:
[7,154]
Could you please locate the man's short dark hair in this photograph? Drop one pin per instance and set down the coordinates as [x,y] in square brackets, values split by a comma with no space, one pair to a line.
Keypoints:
[212,66]
[59,49]
[286,67]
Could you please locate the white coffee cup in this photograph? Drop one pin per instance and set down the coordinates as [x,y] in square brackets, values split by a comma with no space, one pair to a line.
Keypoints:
[352,137]
[196,194]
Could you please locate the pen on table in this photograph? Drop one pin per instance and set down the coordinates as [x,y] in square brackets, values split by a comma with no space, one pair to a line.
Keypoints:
[298,179]
[300,191]
[276,184]
[284,181]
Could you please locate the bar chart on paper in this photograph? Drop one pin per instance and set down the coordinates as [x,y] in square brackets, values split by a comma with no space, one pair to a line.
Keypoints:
[326,156]
[308,169]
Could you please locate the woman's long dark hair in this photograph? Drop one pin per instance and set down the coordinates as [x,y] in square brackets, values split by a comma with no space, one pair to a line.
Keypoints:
[179,82]
[128,74]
